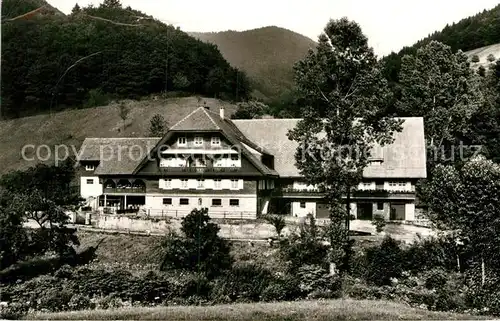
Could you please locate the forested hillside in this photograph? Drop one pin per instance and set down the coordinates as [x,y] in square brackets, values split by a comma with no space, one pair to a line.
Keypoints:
[266,54]
[473,32]
[52,61]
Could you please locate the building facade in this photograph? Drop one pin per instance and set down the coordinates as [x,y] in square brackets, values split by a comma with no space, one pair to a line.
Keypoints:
[239,169]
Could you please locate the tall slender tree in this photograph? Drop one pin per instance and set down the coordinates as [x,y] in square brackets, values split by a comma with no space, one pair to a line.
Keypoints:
[439,85]
[346,98]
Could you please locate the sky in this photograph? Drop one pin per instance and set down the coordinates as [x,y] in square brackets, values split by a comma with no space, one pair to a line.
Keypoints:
[388,24]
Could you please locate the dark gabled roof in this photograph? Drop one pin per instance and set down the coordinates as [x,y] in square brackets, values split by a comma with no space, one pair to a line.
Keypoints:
[116,156]
[202,119]
[229,128]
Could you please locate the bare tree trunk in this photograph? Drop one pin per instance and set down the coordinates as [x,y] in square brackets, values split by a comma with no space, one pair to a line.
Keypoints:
[483,273]
[333,268]
[347,227]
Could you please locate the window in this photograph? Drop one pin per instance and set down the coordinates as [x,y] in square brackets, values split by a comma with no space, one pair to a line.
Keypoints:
[184,183]
[216,202]
[380,206]
[168,183]
[217,184]
[184,201]
[215,141]
[89,167]
[198,141]
[393,184]
[367,184]
[200,202]
[90,181]
[181,141]
[234,157]
[234,184]
[167,201]
[201,183]
[402,184]
[234,202]
[302,204]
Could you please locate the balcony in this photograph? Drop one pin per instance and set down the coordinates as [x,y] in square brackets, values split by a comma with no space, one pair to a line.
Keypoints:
[124,186]
[292,192]
[195,169]
[384,194]
[357,194]
[132,190]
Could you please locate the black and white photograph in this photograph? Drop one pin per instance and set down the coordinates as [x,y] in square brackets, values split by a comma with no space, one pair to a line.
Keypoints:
[258,160]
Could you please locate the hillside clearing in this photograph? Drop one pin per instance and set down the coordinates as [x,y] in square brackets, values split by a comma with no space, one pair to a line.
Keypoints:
[301,310]
[71,127]
[483,54]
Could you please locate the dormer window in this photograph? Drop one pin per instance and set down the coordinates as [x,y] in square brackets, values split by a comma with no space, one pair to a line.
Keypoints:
[89,167]
[215,141]
[198,141]
[182,141]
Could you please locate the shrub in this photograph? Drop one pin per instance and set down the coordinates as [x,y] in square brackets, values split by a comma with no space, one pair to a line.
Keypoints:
[55,300]
[185,285]
[311,277]
[202,249]
[13,311]
[384,262]
[379,223]
[278,221]
[96,98]
[99,282]
[65,272]
[304,248]
[283,288]
[429,253]
[436,278]
[244,283]
[79,302]
[110,302]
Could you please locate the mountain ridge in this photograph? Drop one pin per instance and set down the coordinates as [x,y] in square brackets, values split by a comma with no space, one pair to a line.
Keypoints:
[267,55]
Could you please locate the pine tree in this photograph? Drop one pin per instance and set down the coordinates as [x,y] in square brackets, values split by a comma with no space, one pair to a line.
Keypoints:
[76,9]
[158,126]
[112,4]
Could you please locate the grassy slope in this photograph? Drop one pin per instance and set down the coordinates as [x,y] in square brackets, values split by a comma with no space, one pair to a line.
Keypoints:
[73,126]
[143,251]
[301,310]
[483,53]
[266,54]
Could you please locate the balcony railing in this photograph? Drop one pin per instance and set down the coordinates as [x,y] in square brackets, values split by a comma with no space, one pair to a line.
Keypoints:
[279,191]
[194,169]
[125,190]
[290,191]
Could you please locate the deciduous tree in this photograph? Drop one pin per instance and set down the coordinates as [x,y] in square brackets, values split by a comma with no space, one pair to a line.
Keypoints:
[439,85]
[344,117]
[467,201]
[250,109]
[200,249]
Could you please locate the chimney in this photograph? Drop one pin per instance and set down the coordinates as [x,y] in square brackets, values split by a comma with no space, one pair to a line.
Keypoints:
[221,112]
